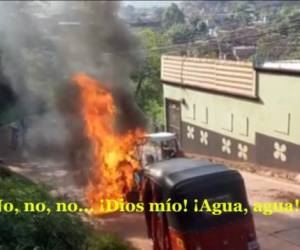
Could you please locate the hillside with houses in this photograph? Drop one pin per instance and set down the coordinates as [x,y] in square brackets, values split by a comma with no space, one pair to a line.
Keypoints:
[237,30]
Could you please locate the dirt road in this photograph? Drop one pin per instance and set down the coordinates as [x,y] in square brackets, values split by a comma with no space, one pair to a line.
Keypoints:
[280,230]
[276,232]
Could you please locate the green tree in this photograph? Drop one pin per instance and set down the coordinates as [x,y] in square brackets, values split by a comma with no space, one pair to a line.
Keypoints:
[178,33]
[147,78]
[245,12]
[282,41]
[196,24]
[173,15]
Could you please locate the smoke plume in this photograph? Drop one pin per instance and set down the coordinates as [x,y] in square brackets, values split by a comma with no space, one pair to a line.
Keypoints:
[43,44]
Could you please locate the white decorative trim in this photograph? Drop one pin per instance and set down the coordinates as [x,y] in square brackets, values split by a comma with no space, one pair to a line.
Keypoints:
[280,151]
[226,147]
[203,137]
[190,132]
[243,151]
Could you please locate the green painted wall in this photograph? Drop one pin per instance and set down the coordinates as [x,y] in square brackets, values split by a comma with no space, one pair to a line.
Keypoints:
[277,114]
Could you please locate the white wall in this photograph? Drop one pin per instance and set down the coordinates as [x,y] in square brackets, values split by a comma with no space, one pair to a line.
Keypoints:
[279,101]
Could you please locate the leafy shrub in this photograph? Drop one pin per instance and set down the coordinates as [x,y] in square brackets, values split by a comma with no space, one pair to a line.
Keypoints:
[39,231]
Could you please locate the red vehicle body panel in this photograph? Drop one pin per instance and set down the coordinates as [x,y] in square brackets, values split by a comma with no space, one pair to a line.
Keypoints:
[233,236]
[226,233]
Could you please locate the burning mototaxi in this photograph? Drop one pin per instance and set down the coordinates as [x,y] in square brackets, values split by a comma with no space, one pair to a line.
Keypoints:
[154,147]
[189,181]
[157,147]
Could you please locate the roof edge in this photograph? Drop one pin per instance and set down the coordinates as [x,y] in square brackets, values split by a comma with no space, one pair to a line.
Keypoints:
[280,71]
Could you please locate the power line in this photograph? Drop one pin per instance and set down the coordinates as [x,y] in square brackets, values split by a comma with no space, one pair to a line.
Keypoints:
[260,30]
[213,39]
[195,43]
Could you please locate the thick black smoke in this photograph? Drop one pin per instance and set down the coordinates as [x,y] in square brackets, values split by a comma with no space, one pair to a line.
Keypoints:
[43,45]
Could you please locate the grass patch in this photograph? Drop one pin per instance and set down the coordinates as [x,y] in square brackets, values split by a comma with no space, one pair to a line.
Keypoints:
[39,231]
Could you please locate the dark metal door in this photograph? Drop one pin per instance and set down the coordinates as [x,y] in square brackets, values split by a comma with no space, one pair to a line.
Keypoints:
[173,115]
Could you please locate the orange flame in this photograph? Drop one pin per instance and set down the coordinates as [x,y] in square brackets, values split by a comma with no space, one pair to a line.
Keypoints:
[114,161]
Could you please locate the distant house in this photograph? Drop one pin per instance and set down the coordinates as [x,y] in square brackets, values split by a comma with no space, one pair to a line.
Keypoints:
[145,23]
[212,32]
[141,17]
[226,21]
[262,20]
[243,52]
[235,111]
[247,36]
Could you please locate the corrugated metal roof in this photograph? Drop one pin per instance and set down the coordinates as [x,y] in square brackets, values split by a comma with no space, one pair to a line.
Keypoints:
[224,76]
